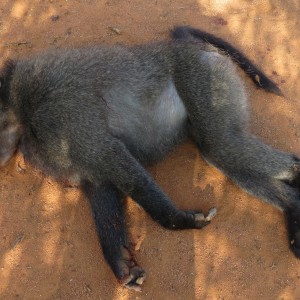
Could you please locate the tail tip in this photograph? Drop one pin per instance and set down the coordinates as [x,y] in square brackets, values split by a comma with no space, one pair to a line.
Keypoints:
[180,32]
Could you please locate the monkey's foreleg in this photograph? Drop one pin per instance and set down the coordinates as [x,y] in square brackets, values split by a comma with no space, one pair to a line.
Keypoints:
[106,204]
[132,179]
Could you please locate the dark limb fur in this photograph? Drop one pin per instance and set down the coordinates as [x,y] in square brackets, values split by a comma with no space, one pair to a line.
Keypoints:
[107,208]
[293,226]
[132,179]
[106,203]
[258,77]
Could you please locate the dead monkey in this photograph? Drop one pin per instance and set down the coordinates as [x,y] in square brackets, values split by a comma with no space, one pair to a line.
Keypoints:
[98,113]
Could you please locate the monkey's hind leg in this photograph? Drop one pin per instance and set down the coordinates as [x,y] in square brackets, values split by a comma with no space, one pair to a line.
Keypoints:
[217,108]
[106,205]
[264,172]
[284,193]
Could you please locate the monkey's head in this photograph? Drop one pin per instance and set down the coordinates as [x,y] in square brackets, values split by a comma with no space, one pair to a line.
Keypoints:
[10,129]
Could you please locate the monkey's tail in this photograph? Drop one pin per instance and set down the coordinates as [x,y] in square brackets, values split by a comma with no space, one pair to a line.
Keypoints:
[258,77]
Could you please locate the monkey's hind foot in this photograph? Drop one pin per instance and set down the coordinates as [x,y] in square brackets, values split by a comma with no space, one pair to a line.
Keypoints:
[129,273]
[293,223]
[294,241]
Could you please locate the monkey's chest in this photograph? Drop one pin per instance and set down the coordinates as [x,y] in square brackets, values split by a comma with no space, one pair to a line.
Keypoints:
[149,127]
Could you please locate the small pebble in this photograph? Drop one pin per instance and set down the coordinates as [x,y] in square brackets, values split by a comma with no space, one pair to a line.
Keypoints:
[115,30]
[54,17]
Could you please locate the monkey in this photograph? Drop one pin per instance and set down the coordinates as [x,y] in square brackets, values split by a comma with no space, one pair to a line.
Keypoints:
[100,114]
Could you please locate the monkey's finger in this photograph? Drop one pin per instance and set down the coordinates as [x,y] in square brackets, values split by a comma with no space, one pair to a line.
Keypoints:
[135,279]
[133,286]
[211,214]
[200,221]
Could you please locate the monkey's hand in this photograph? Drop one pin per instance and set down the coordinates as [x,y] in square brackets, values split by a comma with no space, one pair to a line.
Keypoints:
[202,221]
[129,273]
[188,219]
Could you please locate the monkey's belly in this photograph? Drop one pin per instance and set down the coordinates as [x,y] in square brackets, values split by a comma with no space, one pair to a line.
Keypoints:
[149,128]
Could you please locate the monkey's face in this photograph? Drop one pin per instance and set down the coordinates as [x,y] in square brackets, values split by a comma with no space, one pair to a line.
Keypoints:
[10,132]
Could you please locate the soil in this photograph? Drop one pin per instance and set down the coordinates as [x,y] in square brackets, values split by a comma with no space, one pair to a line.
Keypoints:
[48,244]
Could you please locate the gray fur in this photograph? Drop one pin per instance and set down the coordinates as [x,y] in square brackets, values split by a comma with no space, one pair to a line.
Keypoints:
[96,114]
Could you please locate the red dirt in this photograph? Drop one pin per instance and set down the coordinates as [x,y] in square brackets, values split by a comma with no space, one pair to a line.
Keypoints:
[48,245]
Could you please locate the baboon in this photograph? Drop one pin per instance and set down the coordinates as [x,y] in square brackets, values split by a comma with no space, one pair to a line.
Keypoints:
[97,114]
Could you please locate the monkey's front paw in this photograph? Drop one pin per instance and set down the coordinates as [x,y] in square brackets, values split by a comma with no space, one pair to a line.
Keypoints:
[135,278]
[201,220]
[129,273]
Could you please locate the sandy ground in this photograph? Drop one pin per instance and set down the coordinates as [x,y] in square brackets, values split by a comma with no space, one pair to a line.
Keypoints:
[48,245]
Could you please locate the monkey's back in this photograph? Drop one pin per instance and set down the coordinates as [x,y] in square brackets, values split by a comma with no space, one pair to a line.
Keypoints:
[75,103]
